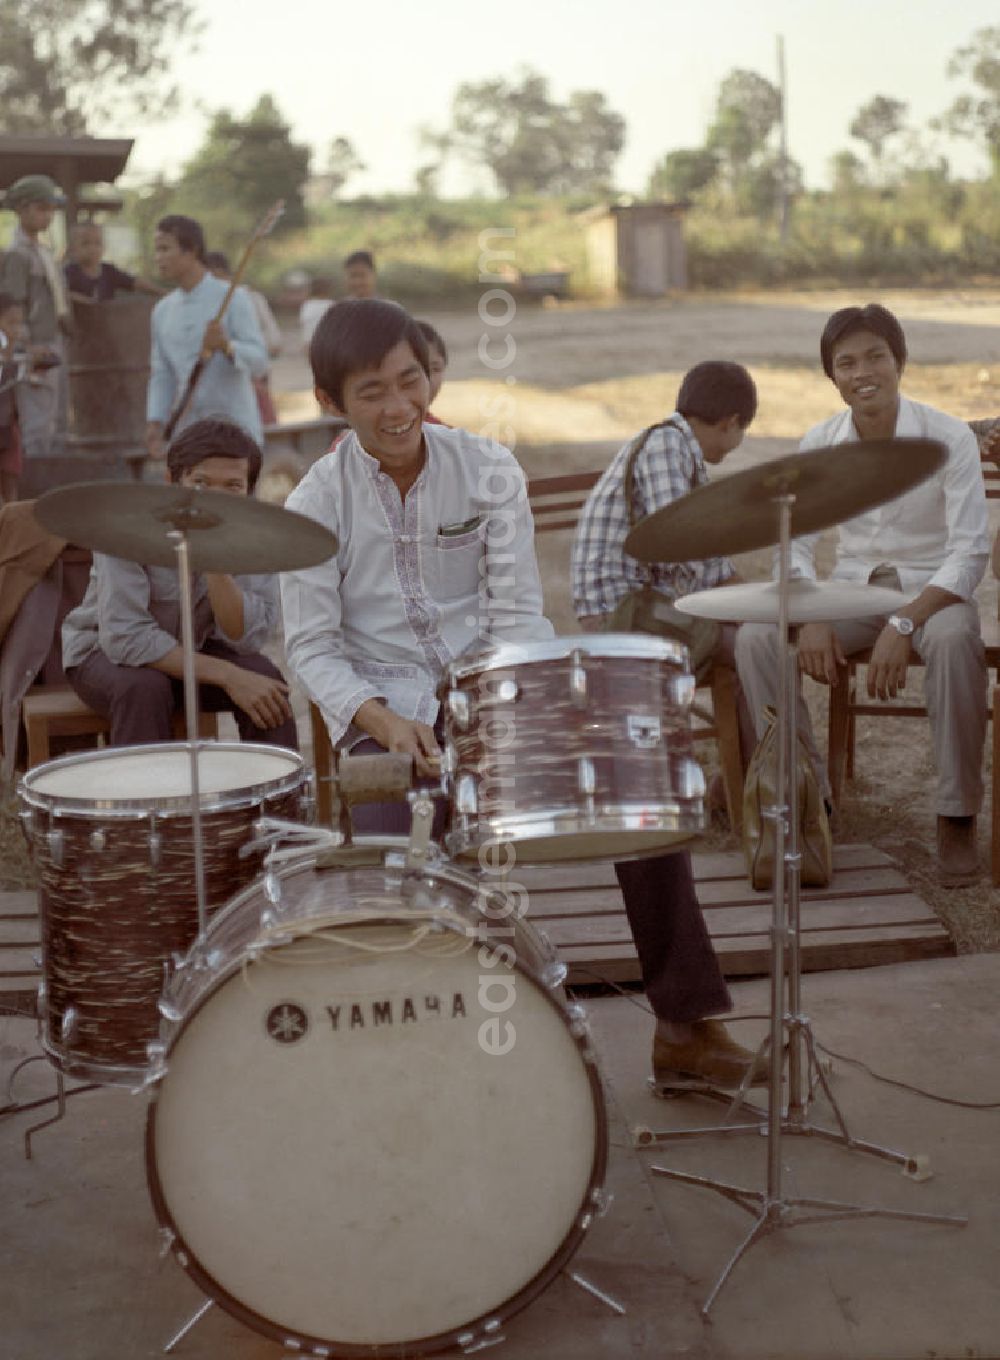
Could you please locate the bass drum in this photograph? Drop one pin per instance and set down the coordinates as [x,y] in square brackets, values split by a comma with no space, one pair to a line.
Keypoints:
[377,1125]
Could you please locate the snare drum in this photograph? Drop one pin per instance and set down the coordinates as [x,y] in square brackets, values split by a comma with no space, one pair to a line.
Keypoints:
[112,839]
[377,1127]
[570,749]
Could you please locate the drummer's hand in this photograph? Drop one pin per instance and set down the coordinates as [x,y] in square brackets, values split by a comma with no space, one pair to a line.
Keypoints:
[820,652]
[397,733]
[262,697]
[216,339]
[887,668]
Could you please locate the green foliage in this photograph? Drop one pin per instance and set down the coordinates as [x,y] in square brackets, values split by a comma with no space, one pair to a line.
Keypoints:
[241,168]
[682,174]
[528,141]
[877,121]
[978,114]
[67,66]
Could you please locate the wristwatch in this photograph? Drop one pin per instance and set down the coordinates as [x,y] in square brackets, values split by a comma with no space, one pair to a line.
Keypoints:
[902,625]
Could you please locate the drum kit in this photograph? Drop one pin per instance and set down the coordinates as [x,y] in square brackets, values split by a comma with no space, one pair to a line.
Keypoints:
[341,1041]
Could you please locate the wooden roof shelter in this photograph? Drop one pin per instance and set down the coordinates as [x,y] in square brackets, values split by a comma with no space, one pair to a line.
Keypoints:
[71,161]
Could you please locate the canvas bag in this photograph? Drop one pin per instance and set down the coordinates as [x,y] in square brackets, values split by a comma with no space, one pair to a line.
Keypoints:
[815,841]
[648,610]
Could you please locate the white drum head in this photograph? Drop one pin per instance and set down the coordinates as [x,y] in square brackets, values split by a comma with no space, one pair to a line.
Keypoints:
[343,1158]
[138,773]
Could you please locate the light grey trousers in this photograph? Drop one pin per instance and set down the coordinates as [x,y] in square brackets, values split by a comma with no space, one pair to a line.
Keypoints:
[955,686]
[38,412]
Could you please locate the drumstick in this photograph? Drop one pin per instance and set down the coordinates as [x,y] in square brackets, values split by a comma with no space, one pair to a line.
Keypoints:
[262,229]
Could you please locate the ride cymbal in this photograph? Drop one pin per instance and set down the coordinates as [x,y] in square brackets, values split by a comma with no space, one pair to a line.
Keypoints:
[737,514]
[234,534]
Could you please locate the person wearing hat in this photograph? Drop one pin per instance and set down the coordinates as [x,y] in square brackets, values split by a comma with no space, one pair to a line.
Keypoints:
[30,275]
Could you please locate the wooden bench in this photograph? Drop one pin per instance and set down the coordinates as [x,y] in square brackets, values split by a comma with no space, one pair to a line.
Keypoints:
[555,504]
[50,711]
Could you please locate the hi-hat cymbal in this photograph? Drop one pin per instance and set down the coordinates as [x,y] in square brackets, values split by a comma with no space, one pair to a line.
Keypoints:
[808,602]
[738,514]
[234,534]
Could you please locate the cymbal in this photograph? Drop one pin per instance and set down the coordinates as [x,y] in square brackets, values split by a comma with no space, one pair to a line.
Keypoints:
[737,514]
[234,534]
[808,602]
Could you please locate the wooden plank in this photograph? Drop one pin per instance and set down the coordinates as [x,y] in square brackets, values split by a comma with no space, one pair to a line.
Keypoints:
[597,873]
[750,957]
[712,896]
[733,923]
[21,931]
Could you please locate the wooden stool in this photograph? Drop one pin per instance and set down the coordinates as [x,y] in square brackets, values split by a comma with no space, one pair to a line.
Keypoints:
[57,711]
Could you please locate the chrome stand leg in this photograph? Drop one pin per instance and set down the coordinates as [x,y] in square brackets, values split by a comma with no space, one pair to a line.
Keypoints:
[60,1114]
[589,1287]
[191,1323]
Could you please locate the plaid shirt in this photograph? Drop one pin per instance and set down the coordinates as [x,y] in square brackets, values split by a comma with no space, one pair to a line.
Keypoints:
[670,465]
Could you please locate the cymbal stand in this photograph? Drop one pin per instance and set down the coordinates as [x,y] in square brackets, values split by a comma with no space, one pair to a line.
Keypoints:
[179,536]
[771,1208]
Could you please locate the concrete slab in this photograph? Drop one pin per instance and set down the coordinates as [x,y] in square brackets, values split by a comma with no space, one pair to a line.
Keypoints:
[80,1276]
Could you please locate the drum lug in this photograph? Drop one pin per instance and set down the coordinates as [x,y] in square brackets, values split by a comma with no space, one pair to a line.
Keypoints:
[154,842]
[272,888]
[449,762]
[586,779]
[56,841]
[98,840]
[457,704]
[42,1000]
[554,974]
[168,1010]
[466,796]
[579,1026]
[601,1200]
[156,1053]
[683,690]
[577,679]
[167,1240]
[69,1024]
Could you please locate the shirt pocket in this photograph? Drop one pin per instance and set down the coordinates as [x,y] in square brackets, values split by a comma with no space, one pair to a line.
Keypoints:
[453,562]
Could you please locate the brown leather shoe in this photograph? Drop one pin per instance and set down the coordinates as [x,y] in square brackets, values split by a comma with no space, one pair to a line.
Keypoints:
[710,1058]
[958,862]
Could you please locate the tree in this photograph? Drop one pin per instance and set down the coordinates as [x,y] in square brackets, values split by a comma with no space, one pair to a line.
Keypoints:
[530,143]
[70,66]
[747,109]
[242,166]
[875,123]
[847,172]
[342,162]
[977,115]
[680,174]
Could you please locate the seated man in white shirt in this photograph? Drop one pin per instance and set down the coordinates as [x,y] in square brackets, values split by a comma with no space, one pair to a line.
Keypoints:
[933,544]
[436,551]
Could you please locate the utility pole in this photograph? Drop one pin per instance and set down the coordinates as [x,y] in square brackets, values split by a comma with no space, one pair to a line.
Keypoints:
[783,143]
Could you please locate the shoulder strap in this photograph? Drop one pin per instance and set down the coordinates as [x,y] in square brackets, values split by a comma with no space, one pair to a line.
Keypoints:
[628,481]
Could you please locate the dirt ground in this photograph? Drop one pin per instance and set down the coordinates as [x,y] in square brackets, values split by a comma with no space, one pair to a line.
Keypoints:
[577,381]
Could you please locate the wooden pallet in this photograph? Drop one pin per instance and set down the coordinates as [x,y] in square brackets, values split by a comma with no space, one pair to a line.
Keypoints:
[868,915]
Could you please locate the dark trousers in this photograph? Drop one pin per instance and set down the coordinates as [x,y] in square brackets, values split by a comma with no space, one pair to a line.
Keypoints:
[141,702]
[680,970]
[390,819]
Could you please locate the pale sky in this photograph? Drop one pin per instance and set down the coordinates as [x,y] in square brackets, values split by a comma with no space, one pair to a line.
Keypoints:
[375,72]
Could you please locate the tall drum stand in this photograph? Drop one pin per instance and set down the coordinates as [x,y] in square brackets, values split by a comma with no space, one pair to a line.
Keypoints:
[790,1035]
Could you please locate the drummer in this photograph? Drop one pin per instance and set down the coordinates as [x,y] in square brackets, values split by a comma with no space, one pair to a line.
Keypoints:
[436,553]
[684,983]
[933,544]
[121,649]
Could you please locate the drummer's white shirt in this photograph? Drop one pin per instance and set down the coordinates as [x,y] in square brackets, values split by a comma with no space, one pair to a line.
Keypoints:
[937,534]
[415,583]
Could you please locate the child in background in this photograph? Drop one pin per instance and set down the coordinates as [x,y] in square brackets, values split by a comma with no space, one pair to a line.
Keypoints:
[89,277]
[438,354]
[316,305]
[360,279]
